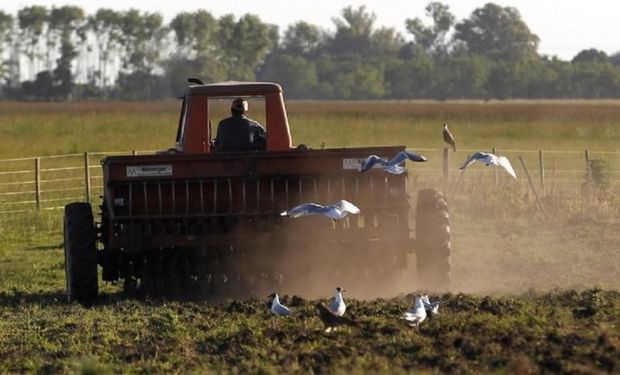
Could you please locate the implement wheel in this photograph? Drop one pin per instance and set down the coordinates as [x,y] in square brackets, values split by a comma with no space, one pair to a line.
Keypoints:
[433,247]
[80,253]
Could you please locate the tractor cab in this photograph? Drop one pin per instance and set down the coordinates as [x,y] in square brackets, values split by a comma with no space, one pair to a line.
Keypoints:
[195,132]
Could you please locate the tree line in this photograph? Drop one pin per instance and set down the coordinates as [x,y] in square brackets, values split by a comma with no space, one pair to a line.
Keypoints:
[62,53]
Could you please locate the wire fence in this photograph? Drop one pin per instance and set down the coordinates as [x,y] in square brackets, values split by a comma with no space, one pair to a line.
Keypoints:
[50,182]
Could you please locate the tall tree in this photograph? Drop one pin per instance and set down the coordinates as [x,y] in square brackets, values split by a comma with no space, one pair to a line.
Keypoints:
[195,33]
[353,32]
[105,26]
[591,55]
[140,37]
[32,22]
[498,33]
[386,42]
[6,32]
[432,38]
[245,44]
[303,39]
[198,52]
[65,25]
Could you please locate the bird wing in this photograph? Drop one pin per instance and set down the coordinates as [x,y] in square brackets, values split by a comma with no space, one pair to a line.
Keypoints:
[348,207]
[395,169]
[330,319]
[340,210]
[414,317]
[406,155]
[503,162]
[334,212]
[280,309]
[333,307]
[370,162]
[472,158]
[305,209]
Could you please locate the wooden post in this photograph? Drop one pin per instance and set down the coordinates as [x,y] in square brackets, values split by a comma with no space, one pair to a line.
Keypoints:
[494,170]
[446,171]
[588,168]
[552,174]
[37,182]
[541,165]
[87,177]
[529,179]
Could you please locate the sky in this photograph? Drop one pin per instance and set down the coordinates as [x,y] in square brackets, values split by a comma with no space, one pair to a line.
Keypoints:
[564,27]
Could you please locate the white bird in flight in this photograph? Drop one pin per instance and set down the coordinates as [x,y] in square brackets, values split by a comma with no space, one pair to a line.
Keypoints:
[490,159]
[278,308]
[393,165]
[338,307]
[416,314]
[336,211]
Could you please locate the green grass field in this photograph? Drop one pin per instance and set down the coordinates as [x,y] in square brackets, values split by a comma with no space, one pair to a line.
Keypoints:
[57,128]
[529,294]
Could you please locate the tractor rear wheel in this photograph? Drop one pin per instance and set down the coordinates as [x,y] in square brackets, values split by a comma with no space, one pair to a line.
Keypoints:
[80,253]
[433,247]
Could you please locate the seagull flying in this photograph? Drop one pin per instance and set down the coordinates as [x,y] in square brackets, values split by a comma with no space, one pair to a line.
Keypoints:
[448,137]
[416,314]
[336,211]
[330,320]
[393,165]
[278,308]
[338,307]
[490,159]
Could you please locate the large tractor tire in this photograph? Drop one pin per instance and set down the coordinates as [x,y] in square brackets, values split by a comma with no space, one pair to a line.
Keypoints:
[433,247]
[80,253]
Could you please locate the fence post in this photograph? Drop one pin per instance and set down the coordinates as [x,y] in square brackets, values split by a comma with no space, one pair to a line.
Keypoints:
[87,176]
[37,182]
[552,174]
[446,171]
[494,170]
[588,168]
[541,162]
[529,180]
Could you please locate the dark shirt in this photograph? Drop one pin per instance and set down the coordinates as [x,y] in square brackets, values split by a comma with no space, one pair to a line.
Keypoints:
[239,133]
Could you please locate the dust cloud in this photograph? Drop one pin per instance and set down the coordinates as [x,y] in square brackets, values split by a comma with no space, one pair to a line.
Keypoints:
[489,256]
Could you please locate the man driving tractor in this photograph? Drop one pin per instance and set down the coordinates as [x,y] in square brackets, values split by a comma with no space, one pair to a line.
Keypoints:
[238,132]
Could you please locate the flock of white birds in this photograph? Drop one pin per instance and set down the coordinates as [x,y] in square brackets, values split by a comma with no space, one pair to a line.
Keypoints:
[332,315]
[342,208]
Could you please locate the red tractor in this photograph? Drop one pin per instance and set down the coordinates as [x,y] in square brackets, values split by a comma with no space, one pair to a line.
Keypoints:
[193,219]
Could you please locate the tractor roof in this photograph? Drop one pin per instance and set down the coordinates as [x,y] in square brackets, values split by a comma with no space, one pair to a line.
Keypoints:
[234,88]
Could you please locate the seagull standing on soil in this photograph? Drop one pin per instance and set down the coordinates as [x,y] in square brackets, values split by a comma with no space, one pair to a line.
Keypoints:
[430,307]
[278,308]
[338,307]
[393,165]
[490,159]
[416,314]
[336,211]
[330,320]
[448,137]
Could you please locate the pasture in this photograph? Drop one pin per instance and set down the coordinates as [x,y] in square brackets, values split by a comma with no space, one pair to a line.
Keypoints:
[529,293]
